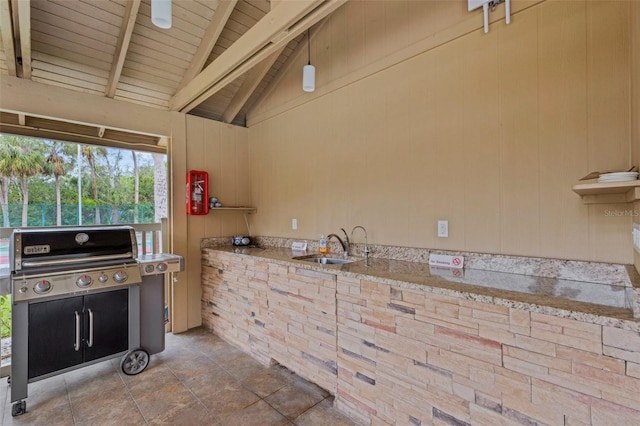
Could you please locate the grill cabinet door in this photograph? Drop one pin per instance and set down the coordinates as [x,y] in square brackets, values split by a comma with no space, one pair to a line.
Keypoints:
[110,311]
[52,335]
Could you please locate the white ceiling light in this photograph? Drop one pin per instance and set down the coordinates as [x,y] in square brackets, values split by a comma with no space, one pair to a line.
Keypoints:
[161,13]
[309,71]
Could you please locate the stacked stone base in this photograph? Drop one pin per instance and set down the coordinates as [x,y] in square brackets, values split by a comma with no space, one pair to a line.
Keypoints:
[402,356]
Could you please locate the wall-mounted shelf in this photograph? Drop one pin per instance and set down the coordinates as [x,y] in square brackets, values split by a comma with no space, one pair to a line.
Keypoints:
[246,210]
[593,192]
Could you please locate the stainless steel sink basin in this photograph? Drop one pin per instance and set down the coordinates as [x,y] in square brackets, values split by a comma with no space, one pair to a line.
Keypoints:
[323,260]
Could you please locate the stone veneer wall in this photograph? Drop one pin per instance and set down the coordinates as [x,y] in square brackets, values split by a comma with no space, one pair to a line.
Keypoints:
[412,357]
[274,312]
[234,301]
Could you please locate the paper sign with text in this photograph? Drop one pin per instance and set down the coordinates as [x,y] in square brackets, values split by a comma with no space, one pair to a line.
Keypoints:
[299,246]
[445,260]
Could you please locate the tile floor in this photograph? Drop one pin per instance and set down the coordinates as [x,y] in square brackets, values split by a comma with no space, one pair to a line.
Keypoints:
[199,379]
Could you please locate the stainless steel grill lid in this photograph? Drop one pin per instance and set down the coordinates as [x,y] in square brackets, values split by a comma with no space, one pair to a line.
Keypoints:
[56,247]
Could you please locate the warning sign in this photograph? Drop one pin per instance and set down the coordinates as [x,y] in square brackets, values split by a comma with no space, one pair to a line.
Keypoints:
[445,260]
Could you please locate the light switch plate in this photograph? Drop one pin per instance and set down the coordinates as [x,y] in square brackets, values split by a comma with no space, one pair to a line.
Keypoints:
[443,228]
[294,224]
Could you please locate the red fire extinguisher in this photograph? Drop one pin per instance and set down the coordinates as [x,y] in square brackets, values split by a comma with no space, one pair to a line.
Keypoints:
[197,192]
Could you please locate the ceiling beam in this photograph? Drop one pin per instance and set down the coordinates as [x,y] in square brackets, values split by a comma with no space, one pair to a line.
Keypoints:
[124,38]
[8,42]
[24,28]
[293,57]
[37,132]
[252,48]
[208,42]
[258,36]
[250,83]
[36,99]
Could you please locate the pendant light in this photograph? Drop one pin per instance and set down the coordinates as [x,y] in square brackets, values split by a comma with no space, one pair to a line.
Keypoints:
[309,71]
[161,13]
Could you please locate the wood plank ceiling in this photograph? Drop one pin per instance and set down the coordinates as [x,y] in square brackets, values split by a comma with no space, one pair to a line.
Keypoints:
[215,61]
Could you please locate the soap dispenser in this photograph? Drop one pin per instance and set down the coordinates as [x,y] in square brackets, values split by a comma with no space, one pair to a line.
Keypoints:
[322,248]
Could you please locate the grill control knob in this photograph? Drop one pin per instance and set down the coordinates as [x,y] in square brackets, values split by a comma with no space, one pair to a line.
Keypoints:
[23,290]
[149,268]
[162,267]
[42,287]
[120,276]
[84,281]
[103,278]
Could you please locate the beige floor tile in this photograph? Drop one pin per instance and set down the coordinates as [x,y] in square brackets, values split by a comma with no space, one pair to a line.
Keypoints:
[109,407]
[59,415]
[241,366]
[164,400]
[322,414]
[207,385]
[198,380]
[43,395]
[267,381]
[82,387]
[186,369]
[258,414]
[294,399]
[228,400]
[149,381]
[223,351]
[191,414]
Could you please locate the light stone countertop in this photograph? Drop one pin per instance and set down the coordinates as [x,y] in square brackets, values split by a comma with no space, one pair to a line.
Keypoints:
[604,304]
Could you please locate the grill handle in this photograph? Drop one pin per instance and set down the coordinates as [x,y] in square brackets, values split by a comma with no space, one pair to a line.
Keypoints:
[55,262]
[90,343]
[76,345]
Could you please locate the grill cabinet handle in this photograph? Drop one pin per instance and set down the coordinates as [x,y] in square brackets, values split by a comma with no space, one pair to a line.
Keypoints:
[76,345]
[90,343]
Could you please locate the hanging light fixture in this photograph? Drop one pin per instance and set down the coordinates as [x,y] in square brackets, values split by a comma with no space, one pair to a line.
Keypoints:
[161,13]
[309,71]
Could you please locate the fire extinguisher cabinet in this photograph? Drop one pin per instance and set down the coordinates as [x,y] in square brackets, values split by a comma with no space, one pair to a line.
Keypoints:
[197,192]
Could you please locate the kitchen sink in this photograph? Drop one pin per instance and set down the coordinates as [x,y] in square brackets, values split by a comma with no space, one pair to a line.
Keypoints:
[323,260]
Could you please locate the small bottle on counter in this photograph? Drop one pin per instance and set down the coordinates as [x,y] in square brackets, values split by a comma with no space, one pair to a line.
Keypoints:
[322,248]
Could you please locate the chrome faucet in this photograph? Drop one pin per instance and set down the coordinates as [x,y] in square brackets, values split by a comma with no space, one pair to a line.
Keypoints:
[366,244]
[344,243]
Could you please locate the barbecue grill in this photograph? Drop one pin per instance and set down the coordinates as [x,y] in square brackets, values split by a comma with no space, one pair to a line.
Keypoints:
[81,296]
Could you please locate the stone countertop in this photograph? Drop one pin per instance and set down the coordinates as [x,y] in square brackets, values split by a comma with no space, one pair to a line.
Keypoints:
[597,303]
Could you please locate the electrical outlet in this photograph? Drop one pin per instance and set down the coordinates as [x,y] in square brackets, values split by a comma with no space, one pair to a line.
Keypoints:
[443,228]
[294,224]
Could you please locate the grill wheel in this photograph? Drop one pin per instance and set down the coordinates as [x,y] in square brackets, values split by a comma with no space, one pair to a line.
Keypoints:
[134,362]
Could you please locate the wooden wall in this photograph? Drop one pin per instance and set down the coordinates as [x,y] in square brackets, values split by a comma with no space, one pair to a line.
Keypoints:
[419,116]
[222,151]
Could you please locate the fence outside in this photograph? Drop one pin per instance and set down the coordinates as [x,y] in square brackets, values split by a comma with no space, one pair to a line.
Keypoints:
[45,214]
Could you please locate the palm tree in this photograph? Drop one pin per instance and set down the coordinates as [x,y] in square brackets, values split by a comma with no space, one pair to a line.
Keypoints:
[91,153]
[27,162]
[136,187]
[57,167]
[8,151]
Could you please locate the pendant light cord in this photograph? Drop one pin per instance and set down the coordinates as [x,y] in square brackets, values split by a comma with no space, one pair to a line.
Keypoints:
[309,46]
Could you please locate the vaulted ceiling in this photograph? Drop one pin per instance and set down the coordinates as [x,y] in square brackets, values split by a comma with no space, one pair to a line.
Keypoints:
[216,60]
